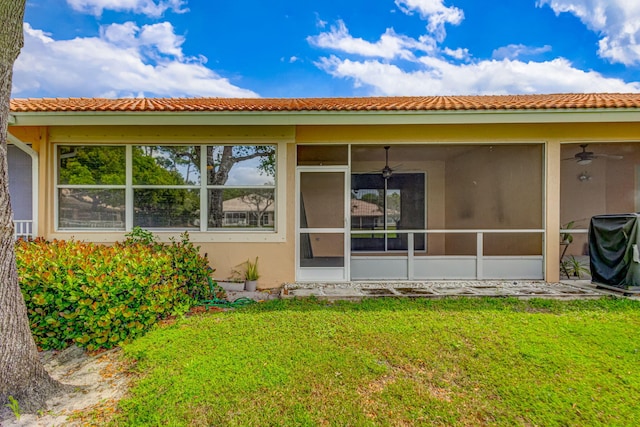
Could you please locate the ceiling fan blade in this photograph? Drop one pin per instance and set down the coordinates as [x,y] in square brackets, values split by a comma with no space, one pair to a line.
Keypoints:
[608,156]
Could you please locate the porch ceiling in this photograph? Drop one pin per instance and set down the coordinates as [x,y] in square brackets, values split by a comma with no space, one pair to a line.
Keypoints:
[401,153]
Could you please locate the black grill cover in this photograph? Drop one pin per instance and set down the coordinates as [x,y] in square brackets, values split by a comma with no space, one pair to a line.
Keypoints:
[613,250]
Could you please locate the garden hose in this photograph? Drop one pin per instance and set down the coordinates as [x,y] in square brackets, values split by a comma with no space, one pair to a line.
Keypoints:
[223,303]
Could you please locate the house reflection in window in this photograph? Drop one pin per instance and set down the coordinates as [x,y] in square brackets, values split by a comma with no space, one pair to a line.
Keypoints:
[378,207]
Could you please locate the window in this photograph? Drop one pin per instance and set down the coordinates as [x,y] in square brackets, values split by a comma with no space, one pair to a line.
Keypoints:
[162,187]
[91,187]
[386,205]
[166,186]
[241,182]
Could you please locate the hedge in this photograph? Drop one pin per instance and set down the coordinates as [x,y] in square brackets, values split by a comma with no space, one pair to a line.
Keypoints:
[98,296]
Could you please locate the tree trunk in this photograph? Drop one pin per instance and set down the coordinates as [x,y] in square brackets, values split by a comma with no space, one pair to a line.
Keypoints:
[219,177]
[21,373]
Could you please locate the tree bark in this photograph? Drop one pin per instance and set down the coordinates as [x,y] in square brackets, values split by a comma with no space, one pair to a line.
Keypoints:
[22,375]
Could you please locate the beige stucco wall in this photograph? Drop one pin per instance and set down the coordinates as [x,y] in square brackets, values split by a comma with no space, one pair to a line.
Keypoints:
[469,133]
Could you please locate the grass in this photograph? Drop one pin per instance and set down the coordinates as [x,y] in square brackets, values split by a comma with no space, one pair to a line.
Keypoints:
[501,362]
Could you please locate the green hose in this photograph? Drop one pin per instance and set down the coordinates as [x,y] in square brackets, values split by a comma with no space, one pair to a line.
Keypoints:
[214,301]
[223,303]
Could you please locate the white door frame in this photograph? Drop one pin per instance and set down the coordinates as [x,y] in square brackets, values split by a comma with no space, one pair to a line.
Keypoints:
[324,274]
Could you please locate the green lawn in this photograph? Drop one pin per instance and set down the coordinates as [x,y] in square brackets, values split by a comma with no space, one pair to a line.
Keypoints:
[393,362]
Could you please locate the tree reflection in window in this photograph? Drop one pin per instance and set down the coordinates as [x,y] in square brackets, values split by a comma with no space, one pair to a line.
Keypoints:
[91,187]
[167,183]
[157,171]
[241,179]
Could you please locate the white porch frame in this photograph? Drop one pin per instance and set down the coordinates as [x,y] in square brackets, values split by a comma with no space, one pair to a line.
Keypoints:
[408,266]
[330,274]
[25,227]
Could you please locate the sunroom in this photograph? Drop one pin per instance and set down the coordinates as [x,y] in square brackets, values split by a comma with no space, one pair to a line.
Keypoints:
[420,211]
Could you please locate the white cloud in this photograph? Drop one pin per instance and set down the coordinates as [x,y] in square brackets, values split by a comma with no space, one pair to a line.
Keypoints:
[150,8]
[514,51]
[162,37]
[434,12]
[389,46]
[291,59]
[440,70]
[438,77]
[156,37]
[617,21]
[248,173]
[319,22]
[125,60]
[459,54]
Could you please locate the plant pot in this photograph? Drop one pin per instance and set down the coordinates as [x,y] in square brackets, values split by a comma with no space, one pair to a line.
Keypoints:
[250,285]
[231,286]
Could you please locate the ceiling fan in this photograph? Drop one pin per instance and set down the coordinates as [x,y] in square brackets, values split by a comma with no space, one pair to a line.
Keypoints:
[386,170]
[585,157]
[371,154]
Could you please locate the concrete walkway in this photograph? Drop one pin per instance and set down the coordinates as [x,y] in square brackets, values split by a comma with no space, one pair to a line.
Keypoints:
[261,295]
[571,289]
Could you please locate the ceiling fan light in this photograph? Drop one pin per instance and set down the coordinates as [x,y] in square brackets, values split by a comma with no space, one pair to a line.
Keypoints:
[584,161]
[387,172]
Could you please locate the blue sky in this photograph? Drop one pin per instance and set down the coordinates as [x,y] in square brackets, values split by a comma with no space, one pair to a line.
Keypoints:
[327,48]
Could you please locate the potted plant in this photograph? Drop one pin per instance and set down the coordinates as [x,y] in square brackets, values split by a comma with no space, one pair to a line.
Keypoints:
[247,272]
[231,284]
[251,274]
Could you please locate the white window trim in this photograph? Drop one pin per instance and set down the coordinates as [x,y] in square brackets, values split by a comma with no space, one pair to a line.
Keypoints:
[278,234]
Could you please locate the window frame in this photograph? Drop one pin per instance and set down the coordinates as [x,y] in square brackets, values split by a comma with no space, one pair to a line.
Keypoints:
[223,187]
[203,234]
[129,183]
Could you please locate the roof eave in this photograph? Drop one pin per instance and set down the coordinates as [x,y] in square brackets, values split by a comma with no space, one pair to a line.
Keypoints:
[395,117]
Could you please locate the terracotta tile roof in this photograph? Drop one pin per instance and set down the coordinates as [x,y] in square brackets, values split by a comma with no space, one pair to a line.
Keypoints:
[364,208]
[410,103]
[239,204]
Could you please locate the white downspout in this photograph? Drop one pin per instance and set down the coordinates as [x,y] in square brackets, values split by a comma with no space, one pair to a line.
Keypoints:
[35,164]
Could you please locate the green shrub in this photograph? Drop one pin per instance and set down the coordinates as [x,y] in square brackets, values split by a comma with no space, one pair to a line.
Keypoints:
[140,235]
[186,259]
[99,296]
